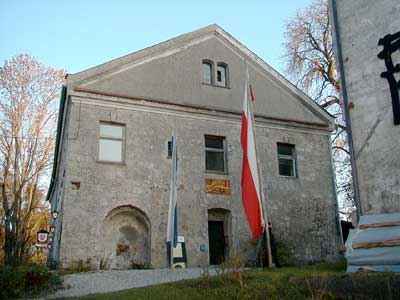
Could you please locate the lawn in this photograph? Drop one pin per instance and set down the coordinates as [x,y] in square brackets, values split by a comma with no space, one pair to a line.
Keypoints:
[324,281]
[309,282]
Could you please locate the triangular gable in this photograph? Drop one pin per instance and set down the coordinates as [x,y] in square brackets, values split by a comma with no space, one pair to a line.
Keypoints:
[135,75]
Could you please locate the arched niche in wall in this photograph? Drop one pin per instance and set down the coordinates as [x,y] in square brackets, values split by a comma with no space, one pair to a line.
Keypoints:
[126,242]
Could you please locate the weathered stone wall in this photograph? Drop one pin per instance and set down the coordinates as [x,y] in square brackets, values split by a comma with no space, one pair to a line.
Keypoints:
[376,138]
[303,209]
[160,87]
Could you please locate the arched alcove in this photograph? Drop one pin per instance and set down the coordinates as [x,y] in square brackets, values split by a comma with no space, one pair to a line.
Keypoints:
[126,238]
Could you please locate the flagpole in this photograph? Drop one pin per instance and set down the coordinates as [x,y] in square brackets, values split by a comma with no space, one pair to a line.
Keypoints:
[263,204]
[172,231]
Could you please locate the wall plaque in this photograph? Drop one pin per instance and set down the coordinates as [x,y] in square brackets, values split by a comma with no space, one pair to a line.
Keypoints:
[218,186]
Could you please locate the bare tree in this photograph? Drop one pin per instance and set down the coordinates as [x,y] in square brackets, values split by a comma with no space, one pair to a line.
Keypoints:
[28,113]
[310,65]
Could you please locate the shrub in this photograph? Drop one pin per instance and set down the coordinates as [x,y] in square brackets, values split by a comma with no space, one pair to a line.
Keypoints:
[205,277]
[79,266]
[283,253]
[104,262]
[26,280]
[136,266]
[232,270]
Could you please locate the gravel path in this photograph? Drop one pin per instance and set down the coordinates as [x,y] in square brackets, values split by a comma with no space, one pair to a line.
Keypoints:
[80,284]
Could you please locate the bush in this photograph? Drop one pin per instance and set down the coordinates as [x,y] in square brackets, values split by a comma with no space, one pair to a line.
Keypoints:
[283,253]
[79,266]
[26,280]
[232,270]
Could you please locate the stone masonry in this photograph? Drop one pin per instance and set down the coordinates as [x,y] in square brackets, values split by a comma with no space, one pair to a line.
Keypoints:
[106,205]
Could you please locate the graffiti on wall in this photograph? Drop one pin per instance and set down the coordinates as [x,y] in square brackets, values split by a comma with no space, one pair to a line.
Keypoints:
[391,44]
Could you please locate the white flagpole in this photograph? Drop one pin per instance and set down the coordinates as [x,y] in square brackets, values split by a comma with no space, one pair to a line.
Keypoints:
[262,194]
[172,218]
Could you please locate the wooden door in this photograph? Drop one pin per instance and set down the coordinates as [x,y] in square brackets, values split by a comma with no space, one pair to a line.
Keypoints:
[216,242]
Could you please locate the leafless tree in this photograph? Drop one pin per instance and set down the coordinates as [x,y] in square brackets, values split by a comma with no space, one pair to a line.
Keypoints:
[28,113]
[310,65]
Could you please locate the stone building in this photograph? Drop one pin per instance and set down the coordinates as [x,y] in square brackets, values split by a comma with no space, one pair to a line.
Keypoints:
[367,41]
[110,183]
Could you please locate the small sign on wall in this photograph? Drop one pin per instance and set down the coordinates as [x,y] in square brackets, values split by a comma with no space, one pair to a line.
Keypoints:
[218,186]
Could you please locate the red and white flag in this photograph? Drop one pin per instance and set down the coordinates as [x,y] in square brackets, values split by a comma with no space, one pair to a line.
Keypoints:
[251,193]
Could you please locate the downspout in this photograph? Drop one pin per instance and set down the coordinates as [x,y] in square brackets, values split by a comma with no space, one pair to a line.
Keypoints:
[58,141]
[346,108]
[51,262]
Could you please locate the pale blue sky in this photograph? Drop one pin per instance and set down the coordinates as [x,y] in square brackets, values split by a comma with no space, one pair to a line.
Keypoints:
[76,35]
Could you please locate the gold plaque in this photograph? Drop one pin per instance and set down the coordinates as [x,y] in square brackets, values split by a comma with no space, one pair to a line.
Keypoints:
[218,186]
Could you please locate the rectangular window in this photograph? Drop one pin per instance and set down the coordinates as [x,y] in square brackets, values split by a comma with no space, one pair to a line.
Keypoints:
[287,160]
[111,144]
[219,76]
[222,70]
[169,149]
[207,72]
[215,148]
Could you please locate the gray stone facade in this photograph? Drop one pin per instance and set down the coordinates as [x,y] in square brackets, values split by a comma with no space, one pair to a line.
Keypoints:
[159,88]
[360,25]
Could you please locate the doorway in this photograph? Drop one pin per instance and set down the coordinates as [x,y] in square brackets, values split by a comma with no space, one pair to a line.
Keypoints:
[216,239]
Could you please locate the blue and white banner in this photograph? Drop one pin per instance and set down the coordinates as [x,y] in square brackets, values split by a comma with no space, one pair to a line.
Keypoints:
[172,225]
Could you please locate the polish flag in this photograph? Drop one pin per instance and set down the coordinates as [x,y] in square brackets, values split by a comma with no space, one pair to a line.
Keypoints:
[251,193]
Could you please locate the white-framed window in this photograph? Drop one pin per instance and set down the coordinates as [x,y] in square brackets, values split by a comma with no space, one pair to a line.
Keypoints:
[287,160]
[222,74]
[215,150]
[218,76]
[111,142]
[208,71]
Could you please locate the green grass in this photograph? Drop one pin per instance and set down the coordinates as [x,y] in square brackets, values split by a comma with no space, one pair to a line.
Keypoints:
[256,284]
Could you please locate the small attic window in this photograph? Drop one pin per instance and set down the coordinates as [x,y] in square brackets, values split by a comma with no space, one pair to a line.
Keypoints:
[169,149]
[208,72]
[287,160]
[222,74]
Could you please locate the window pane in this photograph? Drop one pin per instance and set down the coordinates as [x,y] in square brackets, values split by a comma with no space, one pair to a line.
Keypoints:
[285,149]
[169,148]
[110,150]
[286,167]
[221,75]
[216,142]
[207,73]
[215,161]
[113,131]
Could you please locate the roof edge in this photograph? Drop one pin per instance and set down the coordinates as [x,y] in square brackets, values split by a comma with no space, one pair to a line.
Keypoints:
[282,79]
[213,28]
[119,61]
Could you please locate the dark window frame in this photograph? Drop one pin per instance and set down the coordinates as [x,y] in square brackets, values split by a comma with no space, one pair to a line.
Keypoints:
[226,71]
[216,150]
[286,157]
[169,149]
